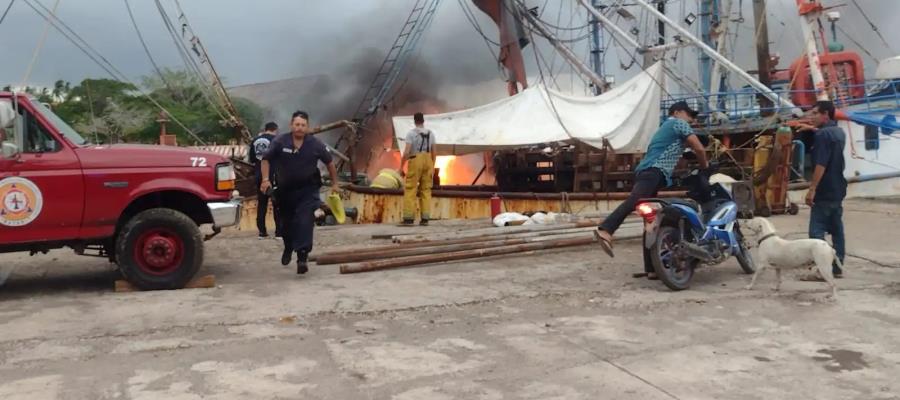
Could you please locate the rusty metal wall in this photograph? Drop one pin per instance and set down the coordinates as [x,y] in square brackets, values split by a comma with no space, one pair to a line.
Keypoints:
[388,208]
[375,208]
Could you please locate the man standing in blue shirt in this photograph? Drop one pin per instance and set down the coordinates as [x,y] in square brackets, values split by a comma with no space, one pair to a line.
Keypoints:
[828,186]
[655,170]
[258,148]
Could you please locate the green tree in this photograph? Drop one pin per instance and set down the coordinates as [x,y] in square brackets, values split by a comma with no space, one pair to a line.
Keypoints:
[117,111]
[197,106]
[61,90]
[118,123]
[91,98]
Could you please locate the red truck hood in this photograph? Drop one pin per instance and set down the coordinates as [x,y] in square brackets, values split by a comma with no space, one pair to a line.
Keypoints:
[144,156]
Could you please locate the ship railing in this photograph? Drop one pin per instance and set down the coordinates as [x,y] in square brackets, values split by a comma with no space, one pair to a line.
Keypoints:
[742,105]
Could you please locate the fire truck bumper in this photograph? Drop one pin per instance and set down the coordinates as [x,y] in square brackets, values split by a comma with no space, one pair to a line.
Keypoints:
[225,214]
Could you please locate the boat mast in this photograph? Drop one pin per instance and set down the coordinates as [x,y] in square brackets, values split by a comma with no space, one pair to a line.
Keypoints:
[762,54]
[709,11]
[810,11]
[721,32]
[597,63]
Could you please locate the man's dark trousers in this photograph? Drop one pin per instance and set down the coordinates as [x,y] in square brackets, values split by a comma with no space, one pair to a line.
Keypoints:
[827,217]
[646,184]
[262,208]
[297,215]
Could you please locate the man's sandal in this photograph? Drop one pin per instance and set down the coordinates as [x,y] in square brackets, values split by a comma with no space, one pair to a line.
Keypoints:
[605,244]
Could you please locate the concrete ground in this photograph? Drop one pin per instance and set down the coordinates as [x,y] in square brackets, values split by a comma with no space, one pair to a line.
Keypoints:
[570,324]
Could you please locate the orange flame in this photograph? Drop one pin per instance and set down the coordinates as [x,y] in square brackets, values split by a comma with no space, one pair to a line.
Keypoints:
[443,164]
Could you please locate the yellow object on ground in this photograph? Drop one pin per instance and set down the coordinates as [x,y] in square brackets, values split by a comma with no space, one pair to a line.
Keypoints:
[760,160]
[387,179]
[337,207]
[419,180]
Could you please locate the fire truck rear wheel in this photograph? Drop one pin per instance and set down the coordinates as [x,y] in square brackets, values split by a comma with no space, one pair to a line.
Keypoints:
[159,249]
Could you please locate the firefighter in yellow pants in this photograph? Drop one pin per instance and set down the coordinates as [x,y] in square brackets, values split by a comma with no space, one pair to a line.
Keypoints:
[420,173]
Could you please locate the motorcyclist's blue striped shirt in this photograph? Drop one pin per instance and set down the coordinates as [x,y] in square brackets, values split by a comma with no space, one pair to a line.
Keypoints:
[666,147]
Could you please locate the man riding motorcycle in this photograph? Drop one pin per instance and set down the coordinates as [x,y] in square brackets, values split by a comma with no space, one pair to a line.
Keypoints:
[655,170]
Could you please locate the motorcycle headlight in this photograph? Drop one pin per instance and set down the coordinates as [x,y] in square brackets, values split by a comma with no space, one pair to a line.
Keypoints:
[225,177]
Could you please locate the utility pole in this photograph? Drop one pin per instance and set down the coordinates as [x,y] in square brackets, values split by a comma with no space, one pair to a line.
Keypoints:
[597,63]
[762,54]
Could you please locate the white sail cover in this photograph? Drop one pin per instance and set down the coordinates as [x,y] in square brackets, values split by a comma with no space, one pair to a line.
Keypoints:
[626,116]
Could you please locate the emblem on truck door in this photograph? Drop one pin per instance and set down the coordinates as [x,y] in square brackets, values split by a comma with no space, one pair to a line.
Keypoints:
[22,201]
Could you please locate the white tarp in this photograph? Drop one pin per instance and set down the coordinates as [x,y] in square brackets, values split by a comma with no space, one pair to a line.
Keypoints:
[627,116]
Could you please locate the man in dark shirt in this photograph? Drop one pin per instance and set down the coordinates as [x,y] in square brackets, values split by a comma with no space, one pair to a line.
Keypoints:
[295,157]
[258,148]
[828,186]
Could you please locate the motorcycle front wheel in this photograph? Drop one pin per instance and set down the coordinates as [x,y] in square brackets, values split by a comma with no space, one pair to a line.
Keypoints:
[672,269]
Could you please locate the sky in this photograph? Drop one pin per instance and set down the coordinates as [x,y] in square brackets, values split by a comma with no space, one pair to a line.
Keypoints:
[266,40]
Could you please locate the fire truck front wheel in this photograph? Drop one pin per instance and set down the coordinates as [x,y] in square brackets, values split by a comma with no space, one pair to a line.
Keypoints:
[159,249]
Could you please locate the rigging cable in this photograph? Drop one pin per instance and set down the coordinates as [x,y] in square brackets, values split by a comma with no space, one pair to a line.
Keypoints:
[228,105]
[857,43]
[414,57]
[561,28]
[191,66]
[470,16]
[874,27]
[98,58]
[144,45]
[3,18]
[558,22]
[39,47]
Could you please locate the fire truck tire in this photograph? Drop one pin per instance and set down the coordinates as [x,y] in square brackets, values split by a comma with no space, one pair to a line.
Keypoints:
[159,249]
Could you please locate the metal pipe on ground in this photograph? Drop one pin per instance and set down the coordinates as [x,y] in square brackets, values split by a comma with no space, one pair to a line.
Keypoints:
[327,259]
[392,247]
[502,230]
[465,254]
[491,232]
[468,254]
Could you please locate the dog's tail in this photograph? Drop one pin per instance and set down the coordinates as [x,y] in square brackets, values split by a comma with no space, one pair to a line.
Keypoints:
[837,260]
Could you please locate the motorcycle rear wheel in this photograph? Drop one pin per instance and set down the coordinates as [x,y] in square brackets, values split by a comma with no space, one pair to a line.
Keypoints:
[674,272]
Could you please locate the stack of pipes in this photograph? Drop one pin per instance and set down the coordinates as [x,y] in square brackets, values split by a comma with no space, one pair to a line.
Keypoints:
[418,249]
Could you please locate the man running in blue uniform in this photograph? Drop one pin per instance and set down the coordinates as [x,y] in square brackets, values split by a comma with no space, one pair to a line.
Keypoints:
[295,157]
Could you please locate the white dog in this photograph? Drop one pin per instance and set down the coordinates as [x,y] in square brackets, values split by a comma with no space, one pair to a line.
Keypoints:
[779,253]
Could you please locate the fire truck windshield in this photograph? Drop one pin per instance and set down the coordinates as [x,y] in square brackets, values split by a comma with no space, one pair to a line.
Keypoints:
[60,125]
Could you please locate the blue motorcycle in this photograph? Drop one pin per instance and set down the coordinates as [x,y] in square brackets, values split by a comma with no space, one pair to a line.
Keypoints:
[682,234]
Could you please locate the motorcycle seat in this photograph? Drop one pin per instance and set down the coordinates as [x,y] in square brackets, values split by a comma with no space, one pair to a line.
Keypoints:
[686,202]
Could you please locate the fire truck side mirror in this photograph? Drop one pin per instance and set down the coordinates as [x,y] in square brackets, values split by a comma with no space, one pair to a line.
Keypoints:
[10,150]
